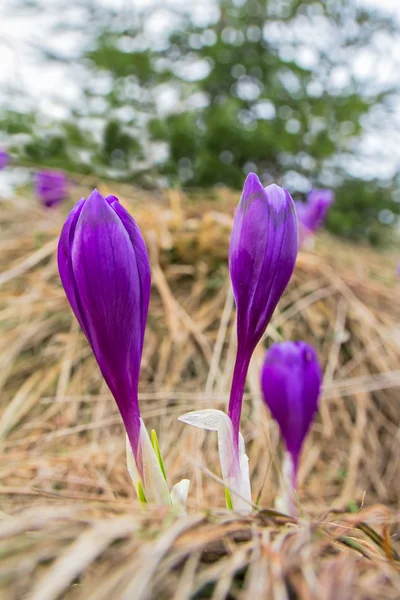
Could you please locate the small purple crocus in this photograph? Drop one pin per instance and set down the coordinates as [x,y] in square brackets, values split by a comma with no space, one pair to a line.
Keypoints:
[51,187]
[291,383]
[312,214]
[4,159]
[105,270]
[262,256]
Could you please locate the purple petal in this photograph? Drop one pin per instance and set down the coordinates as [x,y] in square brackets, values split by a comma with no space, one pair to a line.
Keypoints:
[142,259]
[65,264]
[291,381]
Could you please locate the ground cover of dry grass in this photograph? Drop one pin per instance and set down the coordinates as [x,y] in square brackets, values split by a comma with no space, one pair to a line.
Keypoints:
[70,525]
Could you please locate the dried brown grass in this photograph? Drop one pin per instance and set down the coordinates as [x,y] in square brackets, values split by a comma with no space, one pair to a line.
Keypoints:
[70,524]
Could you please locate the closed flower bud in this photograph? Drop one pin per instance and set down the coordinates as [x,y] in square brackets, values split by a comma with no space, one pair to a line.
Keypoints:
[51,187]
[262,257]
[312,214]
[104,268]
[4,159]
[105,271]
[291,382]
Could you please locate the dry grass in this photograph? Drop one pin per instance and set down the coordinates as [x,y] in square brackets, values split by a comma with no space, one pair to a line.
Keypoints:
[71,526]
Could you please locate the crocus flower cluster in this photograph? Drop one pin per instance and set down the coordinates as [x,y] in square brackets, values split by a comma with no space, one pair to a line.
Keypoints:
[291,382]
[4,159]
[104,268]
[312,214]
[51,187]
[262,256]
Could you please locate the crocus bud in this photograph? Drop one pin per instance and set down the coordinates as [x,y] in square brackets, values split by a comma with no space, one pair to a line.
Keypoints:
[4,159]
[51,187]
[291,382]
[262,256]
[105,271]
[104,268]
[312,214]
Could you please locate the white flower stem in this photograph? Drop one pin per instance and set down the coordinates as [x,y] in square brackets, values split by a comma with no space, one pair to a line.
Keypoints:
[286,501]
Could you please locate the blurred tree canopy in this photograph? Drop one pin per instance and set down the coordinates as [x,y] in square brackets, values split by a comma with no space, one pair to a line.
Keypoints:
[262,85]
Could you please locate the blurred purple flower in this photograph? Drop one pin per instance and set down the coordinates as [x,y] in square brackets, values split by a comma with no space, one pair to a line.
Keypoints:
[312,214]
[104,268]
[4,159]
[51,187]
[262,256]
[291,382]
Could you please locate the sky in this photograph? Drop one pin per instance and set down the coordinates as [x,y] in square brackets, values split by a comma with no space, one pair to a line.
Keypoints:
[54,87]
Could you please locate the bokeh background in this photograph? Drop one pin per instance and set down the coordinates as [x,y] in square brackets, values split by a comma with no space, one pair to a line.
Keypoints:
[306,93]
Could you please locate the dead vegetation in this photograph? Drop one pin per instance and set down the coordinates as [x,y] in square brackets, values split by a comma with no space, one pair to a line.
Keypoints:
[70,524]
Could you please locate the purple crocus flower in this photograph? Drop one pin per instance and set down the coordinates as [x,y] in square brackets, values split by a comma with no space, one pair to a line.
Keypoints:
[51,187]
[291,383]
[262,256]
[104,268]
[312,214]
[105,271]
[4,159]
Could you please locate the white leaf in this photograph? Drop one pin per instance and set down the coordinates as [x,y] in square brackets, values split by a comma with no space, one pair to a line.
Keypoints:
[235,469]
[179,495]
[207,418]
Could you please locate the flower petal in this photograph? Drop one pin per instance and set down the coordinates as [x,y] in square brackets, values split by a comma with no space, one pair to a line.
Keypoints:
[142,258]
[65,264]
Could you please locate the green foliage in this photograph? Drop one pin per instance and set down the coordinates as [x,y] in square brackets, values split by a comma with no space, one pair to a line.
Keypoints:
[357,206]
[246,99]
[118,146]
